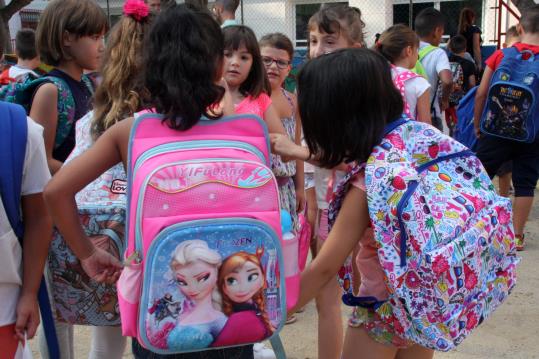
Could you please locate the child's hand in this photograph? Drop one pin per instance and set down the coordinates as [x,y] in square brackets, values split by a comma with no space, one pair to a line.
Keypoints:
[300,200]
[102,266]
[282,145]
[27,317]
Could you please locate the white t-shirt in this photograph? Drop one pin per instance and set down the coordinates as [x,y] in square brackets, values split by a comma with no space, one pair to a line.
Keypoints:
[35,176]
[16,72]
[413,89]
[322,176]
[435,62]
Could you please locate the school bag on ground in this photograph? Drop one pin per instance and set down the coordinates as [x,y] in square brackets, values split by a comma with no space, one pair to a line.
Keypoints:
[102,210]
[446,241]
[204,253]
[22,93]
[13,139]
[511,110]
[465,130]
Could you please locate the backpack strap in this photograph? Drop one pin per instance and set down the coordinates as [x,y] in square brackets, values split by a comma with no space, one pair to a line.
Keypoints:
[66,110]
[399,79]
[425,51]
[13,138]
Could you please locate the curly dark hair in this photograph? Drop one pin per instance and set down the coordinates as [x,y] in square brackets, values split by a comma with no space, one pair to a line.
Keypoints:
[183,62]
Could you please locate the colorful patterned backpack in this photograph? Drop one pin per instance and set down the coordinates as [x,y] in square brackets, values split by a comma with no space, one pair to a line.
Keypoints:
[446,241]
[102,210]
[399,79]
[22,93]
[204,254]
[512,108]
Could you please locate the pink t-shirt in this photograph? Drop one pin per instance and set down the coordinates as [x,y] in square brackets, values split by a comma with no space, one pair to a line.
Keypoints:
[256,106]
[372,274]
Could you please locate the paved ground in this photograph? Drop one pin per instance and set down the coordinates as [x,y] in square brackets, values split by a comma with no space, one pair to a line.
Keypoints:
[512,332]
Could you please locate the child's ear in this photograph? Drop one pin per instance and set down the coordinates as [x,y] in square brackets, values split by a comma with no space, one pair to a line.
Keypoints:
[520,30]
[67,39]
[357,45]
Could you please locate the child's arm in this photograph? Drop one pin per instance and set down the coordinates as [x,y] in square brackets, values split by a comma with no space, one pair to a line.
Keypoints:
[351,223]
[37,236]
[108,150]
[273,121]
[471,81]
[480,99]
[299,178]
[446,79]
[423,108]
[45,112]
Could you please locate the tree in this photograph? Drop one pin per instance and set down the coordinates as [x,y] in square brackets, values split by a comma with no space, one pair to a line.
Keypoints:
[6,12]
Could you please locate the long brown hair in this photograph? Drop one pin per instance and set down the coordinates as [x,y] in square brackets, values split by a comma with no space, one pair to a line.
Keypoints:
[119,94]
[334,18]
[467,18]
[231,264]
[394,40]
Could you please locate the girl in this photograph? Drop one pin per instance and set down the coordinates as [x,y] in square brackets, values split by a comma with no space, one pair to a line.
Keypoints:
[245,76]
[360,120]
[333,27]
[472,33]
[242,282]
[116,98]
[184,94]
[399,45]
[205,320]
[277,52]
[70,38]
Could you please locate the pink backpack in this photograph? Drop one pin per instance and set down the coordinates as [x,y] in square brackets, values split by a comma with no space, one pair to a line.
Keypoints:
[399,79]
[204,247]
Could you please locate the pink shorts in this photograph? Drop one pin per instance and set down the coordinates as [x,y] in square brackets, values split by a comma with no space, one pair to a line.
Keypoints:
[323,225]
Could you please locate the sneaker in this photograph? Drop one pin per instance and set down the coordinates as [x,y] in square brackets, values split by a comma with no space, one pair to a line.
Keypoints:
[291,319]
[519,241]
[261,351]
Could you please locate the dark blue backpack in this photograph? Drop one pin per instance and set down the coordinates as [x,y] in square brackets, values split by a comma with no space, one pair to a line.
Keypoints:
[511,110]
[13,138]
[464,131]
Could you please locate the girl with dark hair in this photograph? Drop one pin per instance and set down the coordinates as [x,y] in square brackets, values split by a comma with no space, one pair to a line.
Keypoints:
[246,77]
[472,33]
[185,52]
[361,102]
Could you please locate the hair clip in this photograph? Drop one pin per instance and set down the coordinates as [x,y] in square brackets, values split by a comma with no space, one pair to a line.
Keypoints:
[137,9]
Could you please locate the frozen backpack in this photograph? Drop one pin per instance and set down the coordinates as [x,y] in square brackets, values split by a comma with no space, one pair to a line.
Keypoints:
[102,211]
[204,262]
[511,110]
[399,79]
[446,241]
[22,93]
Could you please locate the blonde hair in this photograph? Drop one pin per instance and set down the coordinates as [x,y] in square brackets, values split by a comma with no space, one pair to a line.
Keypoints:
[231,264]
[119,94]
[197,250]
[337,18]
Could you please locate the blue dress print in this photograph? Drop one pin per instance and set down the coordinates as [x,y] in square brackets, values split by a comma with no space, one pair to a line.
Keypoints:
[195,336]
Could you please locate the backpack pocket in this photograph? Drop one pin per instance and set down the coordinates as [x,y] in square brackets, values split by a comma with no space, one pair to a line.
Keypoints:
[509,112]
[205,281]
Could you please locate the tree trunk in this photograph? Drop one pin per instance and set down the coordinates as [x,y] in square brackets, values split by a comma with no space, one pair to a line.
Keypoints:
[6,12]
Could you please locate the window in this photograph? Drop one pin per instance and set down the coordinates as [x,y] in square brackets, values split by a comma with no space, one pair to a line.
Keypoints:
[451,10]
[303,14]
[401,13]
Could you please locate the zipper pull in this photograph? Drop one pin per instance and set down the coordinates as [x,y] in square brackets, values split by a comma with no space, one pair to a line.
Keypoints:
[132,259]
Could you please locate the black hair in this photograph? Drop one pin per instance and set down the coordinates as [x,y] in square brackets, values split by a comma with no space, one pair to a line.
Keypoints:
[184,59]
[25,44]
[257,82]
[457,44]
[345,100]
[428,20]
[530,20]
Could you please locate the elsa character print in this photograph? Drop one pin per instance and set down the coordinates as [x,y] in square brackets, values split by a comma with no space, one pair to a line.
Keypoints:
[195,268]
[242,282]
